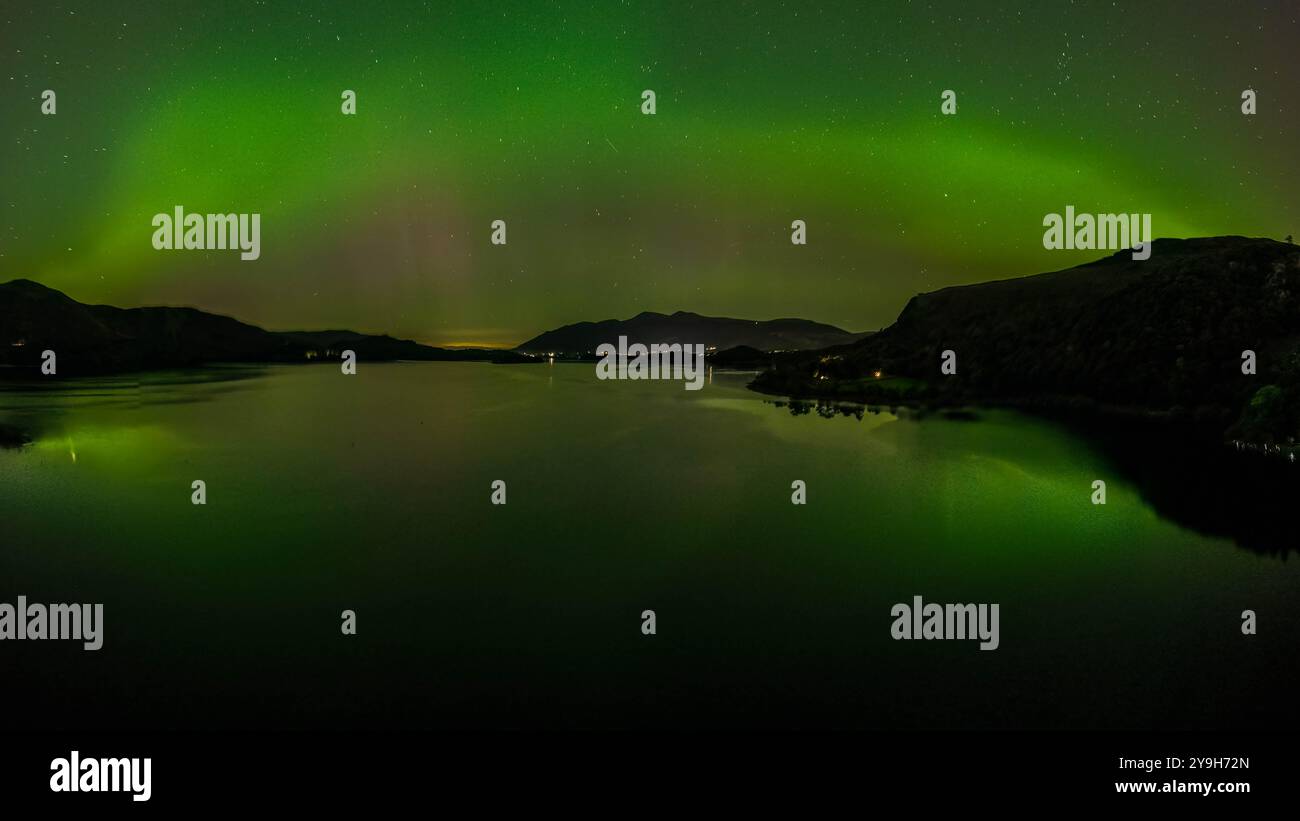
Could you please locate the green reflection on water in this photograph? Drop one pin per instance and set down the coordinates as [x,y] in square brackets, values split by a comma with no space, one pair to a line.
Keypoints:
[371,493]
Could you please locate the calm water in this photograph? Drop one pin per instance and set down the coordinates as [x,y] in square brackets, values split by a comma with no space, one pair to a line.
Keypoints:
[372,492]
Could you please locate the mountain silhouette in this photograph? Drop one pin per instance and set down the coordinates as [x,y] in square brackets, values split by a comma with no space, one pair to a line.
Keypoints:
[100,339]
[1164,335]
[721,333]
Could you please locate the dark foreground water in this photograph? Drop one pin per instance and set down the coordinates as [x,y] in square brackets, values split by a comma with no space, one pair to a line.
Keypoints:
[371,493]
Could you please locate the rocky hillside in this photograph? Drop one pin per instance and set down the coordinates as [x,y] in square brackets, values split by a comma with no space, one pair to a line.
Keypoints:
[1165,335]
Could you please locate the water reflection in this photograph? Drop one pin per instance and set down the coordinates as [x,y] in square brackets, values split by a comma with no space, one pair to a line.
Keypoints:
[1187,476]
[36,410]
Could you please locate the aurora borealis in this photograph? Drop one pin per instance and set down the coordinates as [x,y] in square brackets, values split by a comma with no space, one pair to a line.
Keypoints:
[766,113]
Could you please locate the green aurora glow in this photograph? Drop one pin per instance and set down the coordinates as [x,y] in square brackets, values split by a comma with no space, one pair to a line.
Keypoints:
[766,113]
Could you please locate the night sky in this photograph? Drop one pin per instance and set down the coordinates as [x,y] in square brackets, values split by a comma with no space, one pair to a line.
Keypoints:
[766,113]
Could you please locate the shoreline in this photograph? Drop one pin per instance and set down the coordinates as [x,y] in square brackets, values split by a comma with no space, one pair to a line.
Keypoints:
[1080,413]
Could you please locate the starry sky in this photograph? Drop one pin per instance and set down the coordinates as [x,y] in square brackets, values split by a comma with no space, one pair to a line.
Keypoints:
[767,112]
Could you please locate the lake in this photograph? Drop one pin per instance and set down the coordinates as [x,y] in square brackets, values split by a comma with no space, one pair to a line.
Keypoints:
[372,493]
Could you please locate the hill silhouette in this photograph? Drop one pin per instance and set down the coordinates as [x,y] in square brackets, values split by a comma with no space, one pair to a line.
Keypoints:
[99,339]
[1164,335]
[721,333]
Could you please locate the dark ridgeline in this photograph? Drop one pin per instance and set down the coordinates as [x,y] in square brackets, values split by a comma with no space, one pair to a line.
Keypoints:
[100,339]
[1142,357]
[1163,336]
[743,357]
[721,333]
